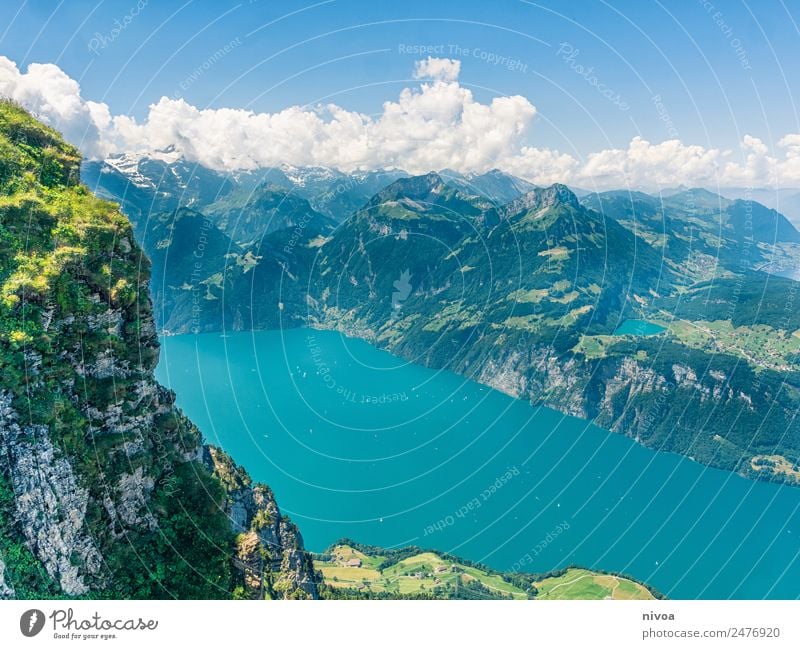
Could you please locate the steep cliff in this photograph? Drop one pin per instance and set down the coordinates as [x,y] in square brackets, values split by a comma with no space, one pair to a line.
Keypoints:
[105,487]
[722,415]
[269,556]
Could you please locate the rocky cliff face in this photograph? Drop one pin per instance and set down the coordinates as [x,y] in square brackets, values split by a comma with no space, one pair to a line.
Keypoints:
[50,507]
[660,403]
[269,554]
[103,486]
[6,592]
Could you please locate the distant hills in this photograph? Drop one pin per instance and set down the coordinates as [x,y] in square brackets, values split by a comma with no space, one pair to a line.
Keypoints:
[518,287]
[696,229]
[169,182]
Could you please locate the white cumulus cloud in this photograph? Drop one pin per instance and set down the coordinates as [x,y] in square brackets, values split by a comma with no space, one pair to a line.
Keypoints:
[437,125]
[50,93]
[433,68]
[643,163]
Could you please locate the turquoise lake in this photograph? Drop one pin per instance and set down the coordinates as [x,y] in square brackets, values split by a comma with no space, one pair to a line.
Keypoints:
[638,328]
[358,443]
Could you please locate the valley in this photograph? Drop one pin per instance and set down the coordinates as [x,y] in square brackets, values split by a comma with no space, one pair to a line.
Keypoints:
[517,296]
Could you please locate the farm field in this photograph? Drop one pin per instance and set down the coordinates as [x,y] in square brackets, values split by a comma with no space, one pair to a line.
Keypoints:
[346,569]
[577,583]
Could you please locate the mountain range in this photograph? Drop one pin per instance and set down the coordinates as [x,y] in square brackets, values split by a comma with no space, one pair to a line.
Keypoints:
[522,288]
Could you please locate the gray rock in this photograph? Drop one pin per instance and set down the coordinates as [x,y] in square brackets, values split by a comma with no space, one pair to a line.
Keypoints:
[50,504]
[6,590]
[270,557]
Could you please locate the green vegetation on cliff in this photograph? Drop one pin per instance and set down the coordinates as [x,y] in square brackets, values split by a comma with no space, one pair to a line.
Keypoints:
[103,491]
[77,349]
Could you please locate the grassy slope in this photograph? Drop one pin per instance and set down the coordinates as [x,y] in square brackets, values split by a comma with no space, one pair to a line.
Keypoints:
[577,583]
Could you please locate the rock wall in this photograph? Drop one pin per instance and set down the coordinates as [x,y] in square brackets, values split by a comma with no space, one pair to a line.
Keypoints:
[270,559]
[50,505]
[6,591]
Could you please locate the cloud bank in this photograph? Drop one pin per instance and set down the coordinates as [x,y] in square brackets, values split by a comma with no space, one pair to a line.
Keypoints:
[437,125]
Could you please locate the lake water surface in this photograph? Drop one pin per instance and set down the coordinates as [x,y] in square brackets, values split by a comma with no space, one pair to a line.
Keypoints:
[358,443]
[638,328]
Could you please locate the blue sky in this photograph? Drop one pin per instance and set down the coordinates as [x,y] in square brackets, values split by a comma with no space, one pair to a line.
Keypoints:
[716,72]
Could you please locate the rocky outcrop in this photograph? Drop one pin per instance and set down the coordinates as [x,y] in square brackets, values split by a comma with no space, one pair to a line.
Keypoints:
[537,374]
[50,506]
[132,492]
[269,558]
[540,198]
[6,590]
[629,381]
